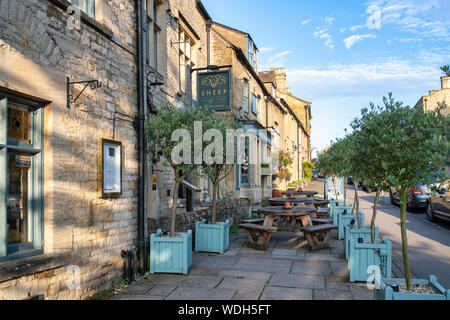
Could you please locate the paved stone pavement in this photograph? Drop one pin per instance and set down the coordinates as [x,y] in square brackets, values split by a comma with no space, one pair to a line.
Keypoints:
[286,271]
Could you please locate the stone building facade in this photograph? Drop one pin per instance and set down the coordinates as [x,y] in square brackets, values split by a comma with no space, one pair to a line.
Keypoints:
[435,97]
[61,239]
[251,105]
[295,131]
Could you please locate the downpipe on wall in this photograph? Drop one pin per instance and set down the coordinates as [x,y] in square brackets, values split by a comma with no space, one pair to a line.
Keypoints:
[141,136]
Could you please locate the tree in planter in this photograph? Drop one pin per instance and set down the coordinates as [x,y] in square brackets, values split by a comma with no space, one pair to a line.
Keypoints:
[216,167]
[368,136]
[346,155]
[160,135]
[325,164]
[414,147]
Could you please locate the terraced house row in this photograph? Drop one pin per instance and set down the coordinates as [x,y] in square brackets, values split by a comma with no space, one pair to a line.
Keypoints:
[79,188]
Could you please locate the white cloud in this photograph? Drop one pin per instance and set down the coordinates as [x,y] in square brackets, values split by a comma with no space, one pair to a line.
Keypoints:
[323,34]
[369,79]
[343,30]
[264,50]
[282,54]
[350,41]
[338,91]
[357,27]
[424,18]
[275,60]
[329,20]
[305,22]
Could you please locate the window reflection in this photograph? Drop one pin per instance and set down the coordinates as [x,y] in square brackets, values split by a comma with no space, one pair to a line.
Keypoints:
[17,201]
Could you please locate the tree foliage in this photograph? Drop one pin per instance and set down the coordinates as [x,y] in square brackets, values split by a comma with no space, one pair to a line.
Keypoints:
[446,70]
[218,170]
[159,131]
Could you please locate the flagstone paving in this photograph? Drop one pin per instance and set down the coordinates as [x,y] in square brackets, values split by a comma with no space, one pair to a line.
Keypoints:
[286,271]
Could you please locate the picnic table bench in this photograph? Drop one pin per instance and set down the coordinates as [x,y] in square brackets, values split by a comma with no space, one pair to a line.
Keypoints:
[317,235]
[253,221]
[321,203]
[258,235]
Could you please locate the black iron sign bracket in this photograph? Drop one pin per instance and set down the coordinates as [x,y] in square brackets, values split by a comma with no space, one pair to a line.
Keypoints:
[93,84]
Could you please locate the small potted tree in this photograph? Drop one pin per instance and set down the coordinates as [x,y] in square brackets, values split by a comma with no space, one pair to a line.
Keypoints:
[326,163]
[214,236]
[364,249]
[344,151]
[417,148]
[171,252]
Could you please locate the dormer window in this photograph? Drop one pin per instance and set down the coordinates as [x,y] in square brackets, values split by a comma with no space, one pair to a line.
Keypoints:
[252,54]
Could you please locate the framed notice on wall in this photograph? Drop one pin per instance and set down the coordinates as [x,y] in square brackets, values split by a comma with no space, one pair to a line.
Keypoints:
[110,165]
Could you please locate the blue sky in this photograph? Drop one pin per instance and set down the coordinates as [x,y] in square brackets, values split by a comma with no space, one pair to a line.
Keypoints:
[342,55]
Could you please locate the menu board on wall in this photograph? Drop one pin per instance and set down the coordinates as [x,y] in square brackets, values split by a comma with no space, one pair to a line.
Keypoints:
[111,168]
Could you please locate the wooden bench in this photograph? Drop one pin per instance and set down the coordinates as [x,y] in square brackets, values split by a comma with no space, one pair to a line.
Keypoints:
[253,221]
[258,235]
[323,212]
[318,235]
[316,221]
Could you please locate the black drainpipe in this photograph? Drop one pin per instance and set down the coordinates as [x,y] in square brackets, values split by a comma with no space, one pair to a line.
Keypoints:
[141,137]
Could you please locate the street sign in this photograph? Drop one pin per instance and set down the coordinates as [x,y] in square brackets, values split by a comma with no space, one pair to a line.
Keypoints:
[214,90]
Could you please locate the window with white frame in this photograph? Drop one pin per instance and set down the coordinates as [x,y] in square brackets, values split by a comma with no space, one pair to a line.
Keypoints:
[245,167]
[185,57]
[245,96]
[254,104]
[21,162]
[88,6]
[252,54]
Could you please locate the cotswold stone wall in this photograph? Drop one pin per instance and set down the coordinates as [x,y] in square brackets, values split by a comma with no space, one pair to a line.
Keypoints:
[236,211]
[37,52]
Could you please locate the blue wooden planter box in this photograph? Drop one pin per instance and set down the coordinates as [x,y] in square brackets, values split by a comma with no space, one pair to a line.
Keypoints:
[355,233]
[170,255]
[212,237]
[364,255]
[387,293]
[345,220]
[336,210]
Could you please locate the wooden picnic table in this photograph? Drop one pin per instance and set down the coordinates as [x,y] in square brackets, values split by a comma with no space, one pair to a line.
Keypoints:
[301,193]
[295,201]
[259,235]
[288,216]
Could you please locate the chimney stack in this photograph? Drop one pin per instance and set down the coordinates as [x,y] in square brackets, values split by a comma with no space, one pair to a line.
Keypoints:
[445,82]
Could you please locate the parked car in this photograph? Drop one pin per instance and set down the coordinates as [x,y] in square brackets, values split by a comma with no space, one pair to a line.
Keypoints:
[416,197]
[315,173]
[438,204]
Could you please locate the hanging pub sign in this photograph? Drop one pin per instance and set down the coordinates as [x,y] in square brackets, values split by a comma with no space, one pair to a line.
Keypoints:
[214,90]
[110,168]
